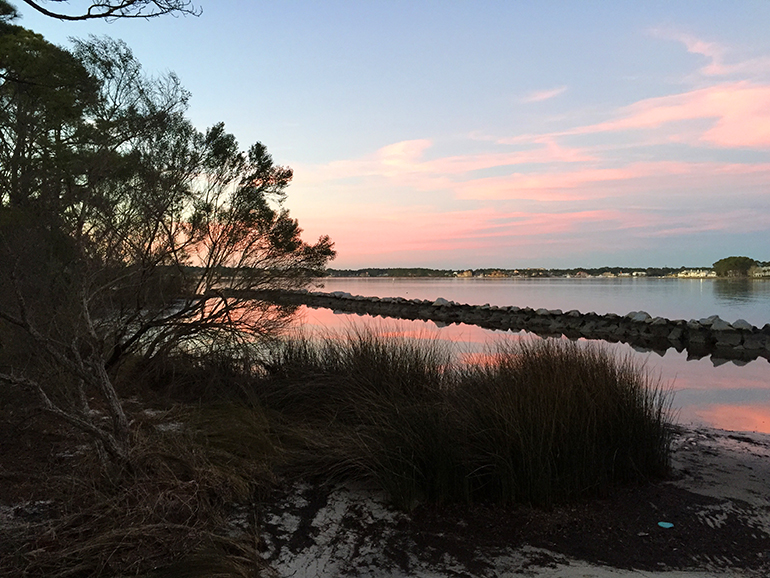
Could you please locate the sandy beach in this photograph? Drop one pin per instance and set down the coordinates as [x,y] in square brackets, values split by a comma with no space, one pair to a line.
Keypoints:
[717,505]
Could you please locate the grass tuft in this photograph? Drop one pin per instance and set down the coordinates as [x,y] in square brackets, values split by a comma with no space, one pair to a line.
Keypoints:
[543,421]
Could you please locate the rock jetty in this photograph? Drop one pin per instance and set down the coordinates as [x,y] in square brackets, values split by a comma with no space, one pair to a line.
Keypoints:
[699,337]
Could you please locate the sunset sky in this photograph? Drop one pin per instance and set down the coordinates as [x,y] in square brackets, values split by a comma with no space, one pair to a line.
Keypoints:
[457,134]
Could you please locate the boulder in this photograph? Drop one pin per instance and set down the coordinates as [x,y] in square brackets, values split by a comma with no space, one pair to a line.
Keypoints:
[743,324]
[440,302]
[720,325]
[641,316]
[728,338]
[676,334]
[755,342]
[697,337]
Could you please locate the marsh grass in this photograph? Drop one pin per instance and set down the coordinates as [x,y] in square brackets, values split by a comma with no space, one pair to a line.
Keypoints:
[537,422]
[542,421]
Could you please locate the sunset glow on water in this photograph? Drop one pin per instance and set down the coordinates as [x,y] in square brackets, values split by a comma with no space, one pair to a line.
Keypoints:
[706,392]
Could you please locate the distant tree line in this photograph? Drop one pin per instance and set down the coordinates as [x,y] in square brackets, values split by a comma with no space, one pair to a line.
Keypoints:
[390,272]
[487,272]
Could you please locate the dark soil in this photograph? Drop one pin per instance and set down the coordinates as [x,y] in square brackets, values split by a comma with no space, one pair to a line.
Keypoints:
[621,531]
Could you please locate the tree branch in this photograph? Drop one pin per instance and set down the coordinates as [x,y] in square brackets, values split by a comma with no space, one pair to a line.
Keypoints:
[114,9]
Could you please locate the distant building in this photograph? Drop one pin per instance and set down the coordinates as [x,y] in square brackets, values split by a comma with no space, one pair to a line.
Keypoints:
[696,273]
[468,273]
[760,271]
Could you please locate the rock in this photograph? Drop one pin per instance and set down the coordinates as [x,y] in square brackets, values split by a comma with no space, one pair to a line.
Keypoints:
[573,313]
[728,338]
[440,302]
[755,342]
[743,324]
[555,311]
[676,334]
[720,325]
[341,295]
[641,316]
[697,337]
[542,311]
[659,321]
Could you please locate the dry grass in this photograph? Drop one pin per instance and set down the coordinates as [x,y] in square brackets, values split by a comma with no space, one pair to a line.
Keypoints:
[171,514]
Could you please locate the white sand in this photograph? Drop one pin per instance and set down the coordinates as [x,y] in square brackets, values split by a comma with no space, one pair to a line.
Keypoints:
[349,530]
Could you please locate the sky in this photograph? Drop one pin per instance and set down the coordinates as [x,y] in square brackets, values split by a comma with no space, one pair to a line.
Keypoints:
[457,134]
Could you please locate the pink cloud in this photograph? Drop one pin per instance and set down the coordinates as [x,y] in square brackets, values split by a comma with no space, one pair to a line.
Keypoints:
[716,55]
[711,50]
[578,184]
[739,115]
[425,232]
[541,95]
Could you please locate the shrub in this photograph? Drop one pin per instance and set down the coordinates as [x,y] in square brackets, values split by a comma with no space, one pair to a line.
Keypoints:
[543,421]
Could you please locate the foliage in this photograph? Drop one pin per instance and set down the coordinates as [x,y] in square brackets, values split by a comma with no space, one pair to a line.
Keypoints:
[733,266]
[124,231]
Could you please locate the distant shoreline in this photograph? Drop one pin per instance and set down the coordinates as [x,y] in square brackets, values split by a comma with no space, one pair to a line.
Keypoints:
[538,277]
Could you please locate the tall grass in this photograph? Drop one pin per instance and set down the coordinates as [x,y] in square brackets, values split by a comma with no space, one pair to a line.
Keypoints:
[537,422]
[541,422]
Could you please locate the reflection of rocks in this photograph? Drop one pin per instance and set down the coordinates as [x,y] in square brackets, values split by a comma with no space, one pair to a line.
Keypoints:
[739,340]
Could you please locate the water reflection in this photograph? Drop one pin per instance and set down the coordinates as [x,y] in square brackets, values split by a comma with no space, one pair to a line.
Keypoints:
[740,291]
[726,396]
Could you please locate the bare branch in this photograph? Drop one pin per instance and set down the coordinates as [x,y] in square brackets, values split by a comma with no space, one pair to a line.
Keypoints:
[114,9]
[109,441]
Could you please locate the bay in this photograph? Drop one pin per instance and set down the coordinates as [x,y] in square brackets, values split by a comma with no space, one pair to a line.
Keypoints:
[673,298]
[708,391]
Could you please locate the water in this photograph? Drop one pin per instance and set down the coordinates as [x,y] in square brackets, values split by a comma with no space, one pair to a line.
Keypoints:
[708,391]
[731,299]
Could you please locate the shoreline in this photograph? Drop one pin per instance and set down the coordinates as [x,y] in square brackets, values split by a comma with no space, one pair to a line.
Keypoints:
[717,500]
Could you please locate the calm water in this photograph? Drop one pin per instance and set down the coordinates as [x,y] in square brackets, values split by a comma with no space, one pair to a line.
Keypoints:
[747,299]
[707,391]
